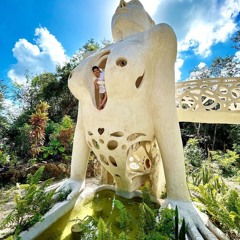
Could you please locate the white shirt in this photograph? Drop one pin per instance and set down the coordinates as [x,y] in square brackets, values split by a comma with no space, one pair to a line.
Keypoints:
[101,83]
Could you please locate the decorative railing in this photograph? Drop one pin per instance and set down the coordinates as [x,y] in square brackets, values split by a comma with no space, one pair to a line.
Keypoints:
[213,100]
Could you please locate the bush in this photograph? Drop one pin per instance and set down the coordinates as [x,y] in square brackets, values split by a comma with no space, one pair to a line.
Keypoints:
[7,158]
[31,202]
[222,205]
[38,122]
[228,162]
[4,158]
[193,154]
[60,141]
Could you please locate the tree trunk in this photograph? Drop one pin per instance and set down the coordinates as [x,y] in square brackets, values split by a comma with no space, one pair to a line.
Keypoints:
[197,128]
[214,136]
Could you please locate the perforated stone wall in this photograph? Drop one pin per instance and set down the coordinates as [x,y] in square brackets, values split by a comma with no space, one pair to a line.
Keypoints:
[215,100]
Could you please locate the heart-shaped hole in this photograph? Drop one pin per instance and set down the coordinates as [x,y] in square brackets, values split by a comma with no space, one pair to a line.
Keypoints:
[101,131]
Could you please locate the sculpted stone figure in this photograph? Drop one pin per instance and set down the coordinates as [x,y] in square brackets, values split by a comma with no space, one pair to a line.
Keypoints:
[136,136]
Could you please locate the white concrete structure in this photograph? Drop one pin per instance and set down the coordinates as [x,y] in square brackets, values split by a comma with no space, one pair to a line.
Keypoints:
[140,115]
[136,136]
[215,100]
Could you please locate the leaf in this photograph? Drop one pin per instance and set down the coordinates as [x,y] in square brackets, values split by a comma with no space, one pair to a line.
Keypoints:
[176,222]
[61,149]
[182,233]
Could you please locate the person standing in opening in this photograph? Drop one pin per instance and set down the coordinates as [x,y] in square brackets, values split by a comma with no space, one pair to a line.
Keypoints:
[99,84]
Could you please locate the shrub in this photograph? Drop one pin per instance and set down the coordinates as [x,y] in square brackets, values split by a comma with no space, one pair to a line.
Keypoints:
[228,162]
[4,158]
[193,154]
[24,138]
[61,140]
[222,204]
[38,124]
[31,202]
[202,176]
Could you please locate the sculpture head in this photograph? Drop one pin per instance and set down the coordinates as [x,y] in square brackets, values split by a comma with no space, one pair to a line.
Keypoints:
[130,18]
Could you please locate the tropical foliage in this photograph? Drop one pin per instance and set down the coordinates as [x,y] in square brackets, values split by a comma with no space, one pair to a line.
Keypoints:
[32,201]
[214,184]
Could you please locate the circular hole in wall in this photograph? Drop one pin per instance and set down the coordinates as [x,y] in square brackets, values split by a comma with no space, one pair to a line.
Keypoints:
[112,161]
[95,144]
[134,166]
[121,62]
[90,133]
[147,163]
[103,159]
[138,82]
[112,145]
[117,134]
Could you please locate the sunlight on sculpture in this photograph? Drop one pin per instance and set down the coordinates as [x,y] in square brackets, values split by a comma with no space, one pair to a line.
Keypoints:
[126,135]
[136,137]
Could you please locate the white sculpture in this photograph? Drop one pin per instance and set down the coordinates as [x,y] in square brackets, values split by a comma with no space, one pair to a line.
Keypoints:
[136,136]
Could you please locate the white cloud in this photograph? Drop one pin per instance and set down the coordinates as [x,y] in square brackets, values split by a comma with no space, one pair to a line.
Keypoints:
[211,28]
[200,24]
[226,29]
[201,65]
[178,65]
[237,57]
[50,45]
[150,6]
[36,58]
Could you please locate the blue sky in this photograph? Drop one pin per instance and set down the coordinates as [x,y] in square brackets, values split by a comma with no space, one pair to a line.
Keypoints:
[35,35]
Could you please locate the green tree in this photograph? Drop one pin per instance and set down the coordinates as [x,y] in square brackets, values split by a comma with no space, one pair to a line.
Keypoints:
[220,67]
[24,93]
[2,93]
[3,119]
[51,88]
[91,45]
[236,40]
[225,67]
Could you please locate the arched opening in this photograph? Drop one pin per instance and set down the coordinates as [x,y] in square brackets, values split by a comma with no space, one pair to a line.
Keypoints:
[99,85]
